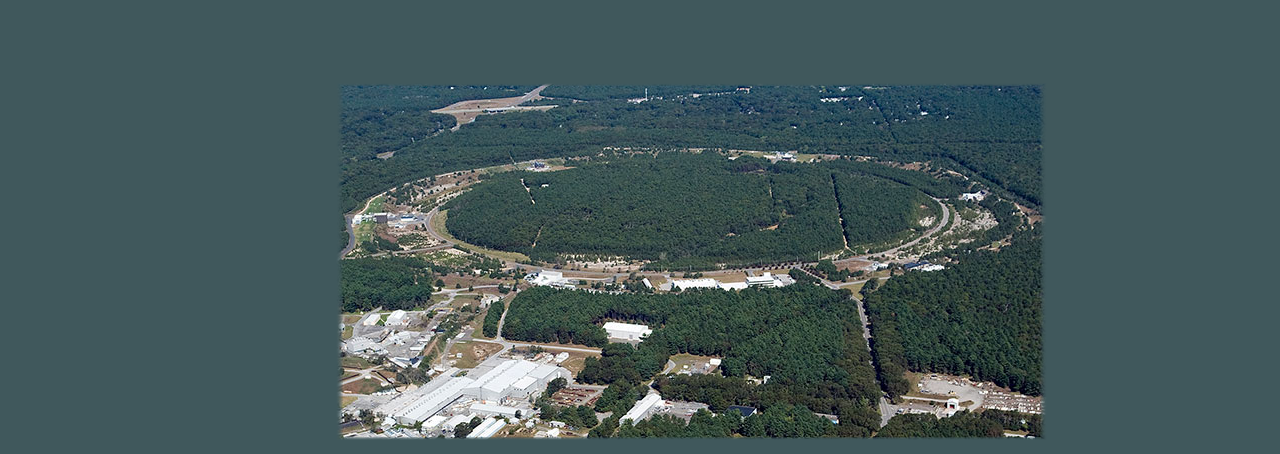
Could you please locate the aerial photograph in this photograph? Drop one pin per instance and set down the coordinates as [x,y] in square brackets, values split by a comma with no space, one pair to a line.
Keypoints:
[673,261]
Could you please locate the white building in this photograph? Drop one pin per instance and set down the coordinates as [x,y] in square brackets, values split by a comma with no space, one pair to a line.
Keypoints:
[484,409]
[974,196]
[514,378]
[433,422]
[396,318]
[626,331]
[549,278]
[424,405]
[733,285]
[487,428]
[561,357]
[766,280]
[684,284]
[371,319]
[642,409]
[874,266]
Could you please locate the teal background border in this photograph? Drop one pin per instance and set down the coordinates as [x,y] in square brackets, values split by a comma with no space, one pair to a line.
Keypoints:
[223,119]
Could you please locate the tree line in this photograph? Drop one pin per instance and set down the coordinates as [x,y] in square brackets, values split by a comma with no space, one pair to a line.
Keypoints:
[994,131]
[805,337]
[979,317]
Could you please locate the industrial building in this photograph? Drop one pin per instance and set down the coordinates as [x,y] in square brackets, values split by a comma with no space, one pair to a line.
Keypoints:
[396,318]
[922,266]
[548,278]
[371,319]
[626,331]
[517,379]
[766,280]
[484,409]
[733,286]
[487,428]
[643,408]
[974,196]
[427,404]
[684,284]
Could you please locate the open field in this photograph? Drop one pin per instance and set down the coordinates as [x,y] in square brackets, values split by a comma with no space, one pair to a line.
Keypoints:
[356,362]
[685,361]
[437,224]
[346,332]
[366,386]
[576,361]
[346,400]
[472,353]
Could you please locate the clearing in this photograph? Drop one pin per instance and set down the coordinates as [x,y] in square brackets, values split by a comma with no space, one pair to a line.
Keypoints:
[472,353]
[366,386]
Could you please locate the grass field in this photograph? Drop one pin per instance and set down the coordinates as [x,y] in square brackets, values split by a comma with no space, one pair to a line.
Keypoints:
[356,362]
[576,361]
[437,224]
[375,205]
[472,353]
[347,332]
[346,400]
[365,386]
[855,287]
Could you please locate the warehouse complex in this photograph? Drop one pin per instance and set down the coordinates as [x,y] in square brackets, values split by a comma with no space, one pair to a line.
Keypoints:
[511,380]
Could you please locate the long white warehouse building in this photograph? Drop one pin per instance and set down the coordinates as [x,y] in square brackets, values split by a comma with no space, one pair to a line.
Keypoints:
[512,378]
[642,409]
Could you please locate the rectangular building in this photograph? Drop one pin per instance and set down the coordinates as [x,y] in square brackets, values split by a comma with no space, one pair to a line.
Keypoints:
[626,331]
[642,409]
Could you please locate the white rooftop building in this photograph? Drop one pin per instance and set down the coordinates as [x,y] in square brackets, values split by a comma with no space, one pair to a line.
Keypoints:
[684,284]
[626,331]
[433,422]
[765,280]
[484,409]
[733,285]
[396,318]
[371,319]
[643,408]
[549,278]
[974,196]
[487,428]
[514,378]
[427,404]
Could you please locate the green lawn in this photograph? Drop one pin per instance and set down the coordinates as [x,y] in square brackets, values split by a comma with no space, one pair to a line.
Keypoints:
[356,362]
[375,206]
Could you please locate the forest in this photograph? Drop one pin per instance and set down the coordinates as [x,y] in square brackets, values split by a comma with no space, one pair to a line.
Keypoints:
[806,337]
[988,423]
[979,317]
[782,421]
[391,282]
[987,132]
[688,211]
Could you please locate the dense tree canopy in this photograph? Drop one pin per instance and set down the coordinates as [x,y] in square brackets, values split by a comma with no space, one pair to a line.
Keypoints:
[806,337]
[690,210]
[980,317]
[987,132]
[390,282]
